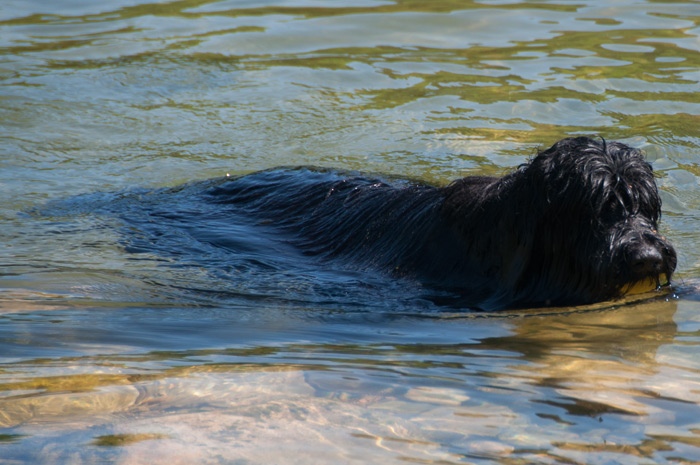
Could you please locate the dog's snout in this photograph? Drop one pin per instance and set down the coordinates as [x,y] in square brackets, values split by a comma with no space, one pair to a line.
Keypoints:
[645,253]
[646,261]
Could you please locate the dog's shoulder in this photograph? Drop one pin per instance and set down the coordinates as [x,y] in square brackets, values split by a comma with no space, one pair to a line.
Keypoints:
[471,183]
[462,195]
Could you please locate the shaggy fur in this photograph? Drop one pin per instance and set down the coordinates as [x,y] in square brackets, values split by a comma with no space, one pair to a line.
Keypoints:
[575,225]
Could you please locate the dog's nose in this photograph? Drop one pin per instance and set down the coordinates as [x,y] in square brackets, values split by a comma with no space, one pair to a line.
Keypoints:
[647,261]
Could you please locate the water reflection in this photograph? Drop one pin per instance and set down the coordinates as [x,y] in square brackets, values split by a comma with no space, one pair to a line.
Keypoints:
[605,374]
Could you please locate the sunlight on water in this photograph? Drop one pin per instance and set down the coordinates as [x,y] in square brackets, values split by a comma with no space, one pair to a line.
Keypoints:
[525,388]
[130,332]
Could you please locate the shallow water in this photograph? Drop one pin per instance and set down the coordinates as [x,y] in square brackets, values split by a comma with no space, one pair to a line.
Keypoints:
[125,338]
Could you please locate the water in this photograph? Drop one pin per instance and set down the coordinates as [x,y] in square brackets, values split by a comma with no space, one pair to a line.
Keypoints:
[124,339]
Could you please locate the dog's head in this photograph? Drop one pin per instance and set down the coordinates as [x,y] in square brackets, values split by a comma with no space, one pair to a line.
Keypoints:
[595,212]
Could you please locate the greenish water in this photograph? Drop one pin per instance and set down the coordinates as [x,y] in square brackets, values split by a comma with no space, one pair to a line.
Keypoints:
[119,348]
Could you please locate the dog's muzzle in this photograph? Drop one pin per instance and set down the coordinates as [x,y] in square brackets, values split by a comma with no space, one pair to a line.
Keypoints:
[650,261]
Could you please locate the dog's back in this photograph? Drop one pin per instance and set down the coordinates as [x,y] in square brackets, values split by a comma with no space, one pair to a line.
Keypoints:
[371,222]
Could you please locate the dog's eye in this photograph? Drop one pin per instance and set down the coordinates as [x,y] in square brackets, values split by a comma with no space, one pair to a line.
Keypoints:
[612,211]
[620,206]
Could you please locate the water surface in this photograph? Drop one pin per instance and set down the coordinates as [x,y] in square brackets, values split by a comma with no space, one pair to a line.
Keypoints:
[124,339]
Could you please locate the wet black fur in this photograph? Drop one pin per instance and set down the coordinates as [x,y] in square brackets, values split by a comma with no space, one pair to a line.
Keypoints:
[575,225]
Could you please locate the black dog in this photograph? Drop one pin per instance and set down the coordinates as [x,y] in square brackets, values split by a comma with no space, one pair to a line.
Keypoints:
[575,225]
